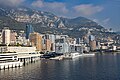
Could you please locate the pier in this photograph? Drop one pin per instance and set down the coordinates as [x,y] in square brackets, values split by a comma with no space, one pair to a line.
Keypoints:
[13,60]
[28,58]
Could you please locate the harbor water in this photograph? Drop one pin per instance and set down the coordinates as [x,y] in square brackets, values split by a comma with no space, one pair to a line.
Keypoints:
[99,67]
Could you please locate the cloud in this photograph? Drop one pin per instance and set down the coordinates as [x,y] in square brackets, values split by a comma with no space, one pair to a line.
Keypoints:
[56,7]
[11,2]
[38,4]
[61,9]
[87,9]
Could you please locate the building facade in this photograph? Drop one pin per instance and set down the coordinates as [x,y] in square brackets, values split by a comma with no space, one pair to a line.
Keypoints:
[36,40]
[17,49]
[29,29]
[61,46]
[6,36]
[13,36]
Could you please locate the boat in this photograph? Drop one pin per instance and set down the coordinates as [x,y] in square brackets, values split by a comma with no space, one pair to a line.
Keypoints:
[72,55]
[57,58]
[77,55]
[88,54]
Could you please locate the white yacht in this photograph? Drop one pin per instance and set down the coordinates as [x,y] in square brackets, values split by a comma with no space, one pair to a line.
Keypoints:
[76,55]
[57,58]
[72,55]
[88,54]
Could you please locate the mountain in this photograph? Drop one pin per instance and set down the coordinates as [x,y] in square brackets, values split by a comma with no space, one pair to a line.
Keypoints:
[46,22]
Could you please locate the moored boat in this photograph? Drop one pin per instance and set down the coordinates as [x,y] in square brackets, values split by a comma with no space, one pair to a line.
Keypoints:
[72,55]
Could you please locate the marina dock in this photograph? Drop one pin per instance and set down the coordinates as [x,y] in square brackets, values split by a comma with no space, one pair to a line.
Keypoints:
[28,58]
[13,60]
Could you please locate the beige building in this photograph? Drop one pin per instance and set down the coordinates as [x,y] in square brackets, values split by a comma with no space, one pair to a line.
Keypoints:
[36,40]
[48,45]
[93,45]
[13,37]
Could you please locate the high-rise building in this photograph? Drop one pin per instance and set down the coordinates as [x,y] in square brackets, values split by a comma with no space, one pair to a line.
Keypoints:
[78,40]
[0,37]
[6,36]
[13,36]
[92,42]
[36,40]
[93,45]
[48,45]
[61,46]
[29,29]
[91,38]
[43,43]
[22,39]
[50,41]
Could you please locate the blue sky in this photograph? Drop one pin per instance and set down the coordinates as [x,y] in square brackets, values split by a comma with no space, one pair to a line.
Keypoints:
[104,12]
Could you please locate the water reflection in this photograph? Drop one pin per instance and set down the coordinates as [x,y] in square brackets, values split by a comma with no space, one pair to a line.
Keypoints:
[100,67]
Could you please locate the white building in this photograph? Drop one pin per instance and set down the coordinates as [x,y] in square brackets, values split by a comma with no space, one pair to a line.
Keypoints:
[18,49]
[52,39]
[6,36]
[61,46]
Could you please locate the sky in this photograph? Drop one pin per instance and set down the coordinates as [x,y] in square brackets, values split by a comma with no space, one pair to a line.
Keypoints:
[104,12]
